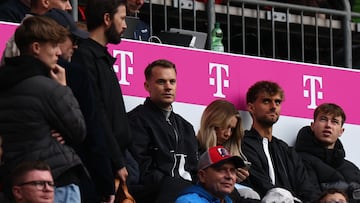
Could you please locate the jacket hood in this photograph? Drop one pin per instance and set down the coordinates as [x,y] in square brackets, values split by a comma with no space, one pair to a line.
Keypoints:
[307,143]
[19,68]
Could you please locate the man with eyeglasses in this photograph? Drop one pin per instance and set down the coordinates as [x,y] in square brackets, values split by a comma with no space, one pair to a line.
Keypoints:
[32,182]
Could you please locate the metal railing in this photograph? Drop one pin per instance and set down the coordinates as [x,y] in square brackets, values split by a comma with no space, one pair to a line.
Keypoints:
[265,28]
[74,12]
[288,18]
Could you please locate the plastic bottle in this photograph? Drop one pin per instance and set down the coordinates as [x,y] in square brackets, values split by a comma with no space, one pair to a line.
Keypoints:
[216,38]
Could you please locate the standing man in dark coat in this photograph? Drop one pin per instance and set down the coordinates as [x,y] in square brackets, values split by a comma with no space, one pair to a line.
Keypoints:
[274,164]
[103,152]
[324,155]
[166,146]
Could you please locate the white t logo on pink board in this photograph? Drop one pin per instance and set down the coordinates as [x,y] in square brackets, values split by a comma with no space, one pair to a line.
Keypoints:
[313,93]
[219,80]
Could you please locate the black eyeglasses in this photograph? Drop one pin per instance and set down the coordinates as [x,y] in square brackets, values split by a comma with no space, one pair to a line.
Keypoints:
[40,185]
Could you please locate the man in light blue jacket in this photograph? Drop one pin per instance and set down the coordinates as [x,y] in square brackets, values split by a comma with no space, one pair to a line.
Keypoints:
[217,178]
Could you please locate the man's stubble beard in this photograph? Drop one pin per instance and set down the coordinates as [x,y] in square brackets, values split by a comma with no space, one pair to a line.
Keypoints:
[267,122]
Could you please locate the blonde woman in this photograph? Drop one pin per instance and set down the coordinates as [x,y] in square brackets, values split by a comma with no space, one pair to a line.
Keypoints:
[221,125]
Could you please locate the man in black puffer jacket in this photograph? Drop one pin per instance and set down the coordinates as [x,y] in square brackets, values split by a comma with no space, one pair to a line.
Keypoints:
[323,153]
[36,103]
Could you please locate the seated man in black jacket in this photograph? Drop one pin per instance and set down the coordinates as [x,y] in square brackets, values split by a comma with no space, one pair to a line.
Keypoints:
[323,153]
[165,147]
[276,168]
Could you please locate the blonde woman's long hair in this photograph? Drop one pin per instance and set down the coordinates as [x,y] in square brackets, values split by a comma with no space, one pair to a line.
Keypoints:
[217,115]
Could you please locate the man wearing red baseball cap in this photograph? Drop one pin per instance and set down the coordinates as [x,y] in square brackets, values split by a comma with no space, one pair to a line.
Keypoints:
[217,177]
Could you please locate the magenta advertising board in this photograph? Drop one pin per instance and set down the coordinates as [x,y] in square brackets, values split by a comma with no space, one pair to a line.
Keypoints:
[203,76]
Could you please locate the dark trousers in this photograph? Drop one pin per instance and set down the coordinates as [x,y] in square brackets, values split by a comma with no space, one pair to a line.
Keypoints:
[165,192]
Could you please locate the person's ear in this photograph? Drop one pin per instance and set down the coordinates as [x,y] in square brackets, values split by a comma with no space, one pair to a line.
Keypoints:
[146,86]
[342,131]
[16,191]
[45,3]
[35,48]
[107,20]
[312,126]
[201,176]
[250,107]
